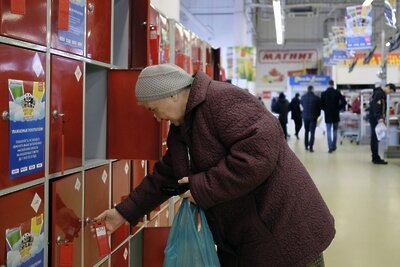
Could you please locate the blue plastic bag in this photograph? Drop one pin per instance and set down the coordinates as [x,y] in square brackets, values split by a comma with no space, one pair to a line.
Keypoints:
[190,242]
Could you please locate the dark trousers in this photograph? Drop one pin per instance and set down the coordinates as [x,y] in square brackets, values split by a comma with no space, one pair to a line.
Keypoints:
[309,127]
[284,128]
[297,126]
[374,142]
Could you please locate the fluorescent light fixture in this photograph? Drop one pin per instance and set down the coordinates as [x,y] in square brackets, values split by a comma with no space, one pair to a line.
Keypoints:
[279,29]
[367,2]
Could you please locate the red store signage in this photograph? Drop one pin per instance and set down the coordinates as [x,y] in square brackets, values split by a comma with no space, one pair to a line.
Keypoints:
[287,56]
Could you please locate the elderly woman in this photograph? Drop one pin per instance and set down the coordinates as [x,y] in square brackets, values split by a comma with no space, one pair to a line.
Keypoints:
[261,204]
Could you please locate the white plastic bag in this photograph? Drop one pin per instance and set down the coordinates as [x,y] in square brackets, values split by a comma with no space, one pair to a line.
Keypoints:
[380,131]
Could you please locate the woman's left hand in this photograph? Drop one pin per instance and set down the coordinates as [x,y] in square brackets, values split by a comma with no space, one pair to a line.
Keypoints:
[187,194]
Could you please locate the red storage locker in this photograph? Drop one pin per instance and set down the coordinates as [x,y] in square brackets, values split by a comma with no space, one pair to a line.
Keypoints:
[121,173]
[96,197]
[22,227]
[164,40]
[154,37]
[154,243]
[66,107]
[132,131]
[98,30]
[24,20]
[140,34]
[22,104]
[66,212]
[68,25]
[121,257]
[138,173]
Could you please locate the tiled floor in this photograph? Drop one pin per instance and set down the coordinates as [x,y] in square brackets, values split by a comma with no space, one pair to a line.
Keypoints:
[364,199]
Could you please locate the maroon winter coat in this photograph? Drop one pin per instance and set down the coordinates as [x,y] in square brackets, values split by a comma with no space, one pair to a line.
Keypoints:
[261,204]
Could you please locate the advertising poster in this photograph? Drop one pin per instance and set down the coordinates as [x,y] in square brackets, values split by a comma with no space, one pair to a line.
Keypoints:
[277,65]
[74,34]
[25,243]
[390,13]
[359,27]
[27,127]
[241,66]
[339,50]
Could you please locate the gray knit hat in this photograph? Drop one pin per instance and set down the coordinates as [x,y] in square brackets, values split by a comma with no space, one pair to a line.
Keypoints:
[161,81]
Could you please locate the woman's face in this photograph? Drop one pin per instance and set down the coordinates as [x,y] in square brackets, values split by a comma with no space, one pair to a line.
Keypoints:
[165,109]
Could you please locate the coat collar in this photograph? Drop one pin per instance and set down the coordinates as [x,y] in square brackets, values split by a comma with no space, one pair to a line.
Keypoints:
[198,91]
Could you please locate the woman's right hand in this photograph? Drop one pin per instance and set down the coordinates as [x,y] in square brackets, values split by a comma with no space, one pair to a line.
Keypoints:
[112,219]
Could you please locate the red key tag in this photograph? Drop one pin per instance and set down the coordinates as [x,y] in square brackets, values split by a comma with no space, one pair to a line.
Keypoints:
[66,254]
[102,238]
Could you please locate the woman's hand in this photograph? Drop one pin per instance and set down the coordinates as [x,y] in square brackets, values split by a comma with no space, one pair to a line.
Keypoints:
[112,219]
[187,194]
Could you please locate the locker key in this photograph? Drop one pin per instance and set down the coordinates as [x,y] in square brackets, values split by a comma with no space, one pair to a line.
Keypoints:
[57,114]
[60,240]
[6,116]
[88,221]
[91,7]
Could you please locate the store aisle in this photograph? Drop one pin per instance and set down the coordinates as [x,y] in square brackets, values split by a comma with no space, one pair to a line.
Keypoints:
[364,199]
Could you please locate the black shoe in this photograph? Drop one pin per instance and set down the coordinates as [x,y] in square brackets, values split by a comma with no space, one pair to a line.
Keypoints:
[306,147]
[379,161]
[311,149]
[330,150]
[297,136]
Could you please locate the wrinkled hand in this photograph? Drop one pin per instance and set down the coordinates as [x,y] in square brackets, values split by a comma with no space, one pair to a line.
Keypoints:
[187,194]
[112,219]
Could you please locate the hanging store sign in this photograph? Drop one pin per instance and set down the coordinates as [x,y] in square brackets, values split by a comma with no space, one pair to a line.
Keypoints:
[359,27]
[27,127]
[390,13]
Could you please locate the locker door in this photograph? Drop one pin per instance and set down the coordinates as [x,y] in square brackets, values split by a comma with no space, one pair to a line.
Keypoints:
[96,196]
[68,25]
[154,37]
[24,20]
[22,216]
[138,173]
[25,67]
[66,219]
[98,30]
[154,243]
[121,172]
[132,131]
[66,105]
[140,34]
[121,257]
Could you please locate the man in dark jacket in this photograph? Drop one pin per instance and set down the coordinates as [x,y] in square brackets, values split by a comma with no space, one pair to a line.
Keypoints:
[377,113]
[262,206]
[296,113]
[332,102]
[282,108]
[311,110]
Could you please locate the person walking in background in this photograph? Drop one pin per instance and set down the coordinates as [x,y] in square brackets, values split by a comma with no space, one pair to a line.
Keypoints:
[296,113]
[331,103]
[377,113]
[227,151]
[282,108]
[311,110]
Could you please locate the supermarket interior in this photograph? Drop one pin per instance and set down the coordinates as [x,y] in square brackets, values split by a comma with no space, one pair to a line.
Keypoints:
[76,141]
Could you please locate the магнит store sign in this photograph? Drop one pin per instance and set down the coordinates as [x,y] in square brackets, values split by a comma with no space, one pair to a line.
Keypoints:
[287,56]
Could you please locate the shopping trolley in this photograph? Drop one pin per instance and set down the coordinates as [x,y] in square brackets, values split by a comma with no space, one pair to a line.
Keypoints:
[349,127]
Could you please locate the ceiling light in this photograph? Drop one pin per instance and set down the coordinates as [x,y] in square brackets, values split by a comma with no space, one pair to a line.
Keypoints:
[279,28]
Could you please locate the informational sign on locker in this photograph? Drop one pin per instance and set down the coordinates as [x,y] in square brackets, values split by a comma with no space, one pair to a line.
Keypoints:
[27,127]
[71,23]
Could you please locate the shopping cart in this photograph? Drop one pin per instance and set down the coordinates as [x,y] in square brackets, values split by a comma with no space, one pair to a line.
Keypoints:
[349,127]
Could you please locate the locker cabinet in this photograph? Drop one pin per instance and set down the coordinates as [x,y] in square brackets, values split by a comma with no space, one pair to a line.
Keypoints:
[24,20]
[22,78]
[66,212]
[96,198]
[154,242]
[98,30]
[121,173]
[121,257]
[66,107]
[140,34]
[23,220]
[132,131]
